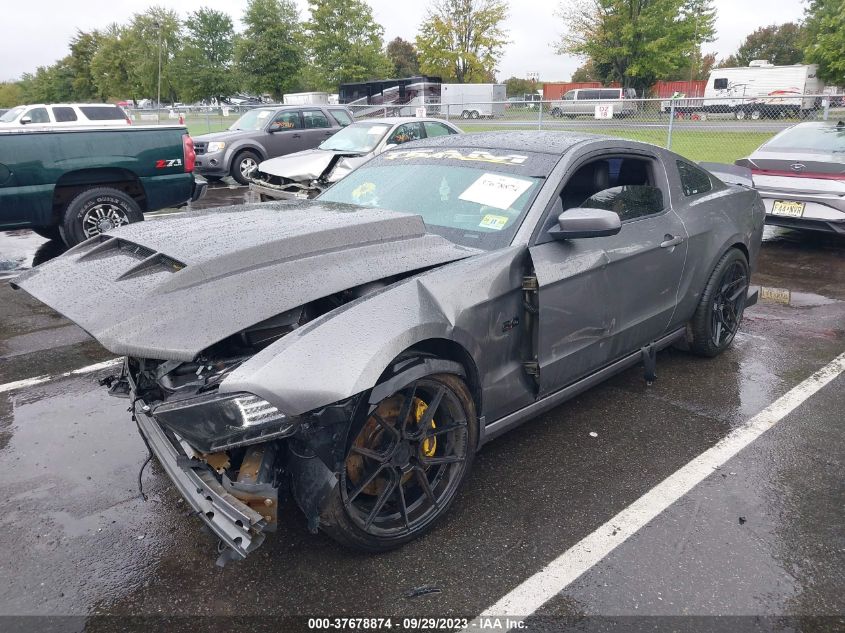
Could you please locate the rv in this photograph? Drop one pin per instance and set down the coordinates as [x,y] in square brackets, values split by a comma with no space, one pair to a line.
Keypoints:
[471,101]
[755,91]
[305,98]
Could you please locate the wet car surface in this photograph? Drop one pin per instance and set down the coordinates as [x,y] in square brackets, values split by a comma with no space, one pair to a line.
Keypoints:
[83,542]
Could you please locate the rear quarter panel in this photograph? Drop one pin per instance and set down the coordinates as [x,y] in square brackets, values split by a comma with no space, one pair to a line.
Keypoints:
[728,215]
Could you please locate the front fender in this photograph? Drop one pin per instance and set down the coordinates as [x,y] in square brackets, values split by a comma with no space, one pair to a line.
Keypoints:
[344,352]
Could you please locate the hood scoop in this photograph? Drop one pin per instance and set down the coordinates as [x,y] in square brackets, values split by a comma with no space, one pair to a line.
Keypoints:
[167,289]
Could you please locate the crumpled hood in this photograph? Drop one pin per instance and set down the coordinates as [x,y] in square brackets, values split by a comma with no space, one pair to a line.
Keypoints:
[170,288]
[309,164]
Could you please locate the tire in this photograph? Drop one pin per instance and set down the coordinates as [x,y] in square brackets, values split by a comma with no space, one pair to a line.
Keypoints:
[474,114]
[465,114]
[557,113]
[48,232]
[381,502]
[719,313]
[244,163]
[740,114]
[95,211]
[756,114]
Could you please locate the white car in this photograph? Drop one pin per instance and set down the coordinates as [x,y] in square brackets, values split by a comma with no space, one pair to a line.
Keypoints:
[65,115]
[307,173]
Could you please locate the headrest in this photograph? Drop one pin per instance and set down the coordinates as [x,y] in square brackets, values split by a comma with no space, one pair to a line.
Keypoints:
[590,178]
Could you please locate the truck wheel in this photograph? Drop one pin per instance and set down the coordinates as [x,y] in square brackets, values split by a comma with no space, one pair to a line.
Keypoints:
[465,114]
[244,165]
[557,113]
[48,232]
[473,114]
[720,310]
[405,464]
[95,211]
[756,114]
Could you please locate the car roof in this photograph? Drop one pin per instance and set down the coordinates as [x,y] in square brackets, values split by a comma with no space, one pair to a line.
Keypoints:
[67,105]
[397,120]
[820,124]
[525,140]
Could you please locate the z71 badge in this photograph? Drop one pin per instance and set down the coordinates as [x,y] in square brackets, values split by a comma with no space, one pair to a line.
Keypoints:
[172,162]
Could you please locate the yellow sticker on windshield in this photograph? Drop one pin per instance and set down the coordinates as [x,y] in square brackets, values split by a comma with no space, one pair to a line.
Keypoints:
[495,222]
[363,190]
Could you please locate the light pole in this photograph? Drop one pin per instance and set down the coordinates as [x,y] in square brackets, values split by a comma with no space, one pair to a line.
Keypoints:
[158,96]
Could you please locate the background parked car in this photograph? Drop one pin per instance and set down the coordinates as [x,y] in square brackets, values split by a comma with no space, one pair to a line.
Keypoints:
[306,174]
[264,133]
[65,115]
[585,100]
[800,174]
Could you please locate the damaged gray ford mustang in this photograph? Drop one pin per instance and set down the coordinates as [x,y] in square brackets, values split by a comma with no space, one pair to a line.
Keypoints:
[356,350]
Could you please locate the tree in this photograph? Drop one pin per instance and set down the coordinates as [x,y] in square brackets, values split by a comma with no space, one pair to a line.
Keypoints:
[404,58]
[269,53]
[345,43]
[825,26]
[83,47]
[203,69]
[112,63]
[462,40]
[781,45]
[155,31]
[49,84]
[584,73]
[10,94]
[636,42]
[518,87]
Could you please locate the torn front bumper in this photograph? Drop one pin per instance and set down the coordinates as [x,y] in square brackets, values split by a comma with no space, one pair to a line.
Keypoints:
[266,190]
[237,525]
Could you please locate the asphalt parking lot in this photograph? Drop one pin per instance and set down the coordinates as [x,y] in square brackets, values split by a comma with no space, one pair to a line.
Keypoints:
[759,542]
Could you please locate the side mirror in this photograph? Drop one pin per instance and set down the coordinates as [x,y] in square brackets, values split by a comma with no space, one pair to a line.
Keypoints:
[587,222]
[26,120]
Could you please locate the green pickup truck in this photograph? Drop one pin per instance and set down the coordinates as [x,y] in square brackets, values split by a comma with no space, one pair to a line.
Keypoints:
[72,184]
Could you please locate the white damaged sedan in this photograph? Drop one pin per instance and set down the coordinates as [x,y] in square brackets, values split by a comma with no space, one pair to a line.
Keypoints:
[306,174]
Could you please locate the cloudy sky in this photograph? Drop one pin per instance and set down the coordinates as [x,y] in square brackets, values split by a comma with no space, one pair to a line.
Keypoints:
[37,33]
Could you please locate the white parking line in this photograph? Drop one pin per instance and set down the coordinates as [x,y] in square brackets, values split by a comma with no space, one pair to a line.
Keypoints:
[30,382]
[552,579]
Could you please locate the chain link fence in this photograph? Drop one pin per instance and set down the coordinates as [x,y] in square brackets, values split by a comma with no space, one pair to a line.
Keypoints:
[702,129]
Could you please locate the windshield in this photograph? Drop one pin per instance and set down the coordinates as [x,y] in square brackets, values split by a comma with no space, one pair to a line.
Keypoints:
[252,120]
[470,197]
[359,137]
[819,138]
[11,115]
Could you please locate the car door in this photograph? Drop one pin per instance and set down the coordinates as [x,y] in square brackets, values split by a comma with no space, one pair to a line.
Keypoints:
[602,298]
[318,126]
[284,134]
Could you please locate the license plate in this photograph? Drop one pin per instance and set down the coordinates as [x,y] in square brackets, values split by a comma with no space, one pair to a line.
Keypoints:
[788,208]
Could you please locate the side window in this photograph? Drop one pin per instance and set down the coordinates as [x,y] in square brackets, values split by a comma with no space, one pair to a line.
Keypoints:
[609,94]
[286,121]
[589,94]
[433,128]
[720,84]
[629,202]
[64,114]
[569,96]
[342,117]
[406,133]
[315,119]
[693,179]
[38,115]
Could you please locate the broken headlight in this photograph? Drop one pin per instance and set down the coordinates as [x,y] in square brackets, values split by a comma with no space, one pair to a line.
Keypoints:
[213,422]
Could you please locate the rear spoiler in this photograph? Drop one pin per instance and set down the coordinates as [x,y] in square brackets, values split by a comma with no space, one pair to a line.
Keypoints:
[731,174]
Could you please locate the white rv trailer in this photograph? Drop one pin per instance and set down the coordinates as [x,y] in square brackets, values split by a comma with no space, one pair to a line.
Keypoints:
[471,101]
[756,91]
[305,98]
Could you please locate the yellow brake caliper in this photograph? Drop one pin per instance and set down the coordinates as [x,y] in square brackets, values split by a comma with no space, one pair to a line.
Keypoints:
[429,446]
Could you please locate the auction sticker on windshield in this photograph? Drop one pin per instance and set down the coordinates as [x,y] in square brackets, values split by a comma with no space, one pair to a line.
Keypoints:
[495,222]
[495,190]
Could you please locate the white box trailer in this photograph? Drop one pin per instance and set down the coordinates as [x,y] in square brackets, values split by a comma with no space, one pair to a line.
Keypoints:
[471,101]
[305,98]
[758,90]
